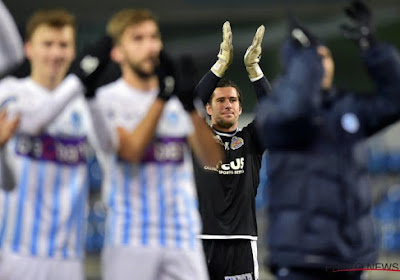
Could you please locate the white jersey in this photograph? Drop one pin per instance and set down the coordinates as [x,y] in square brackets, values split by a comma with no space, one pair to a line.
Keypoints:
[152,203]
[45,214]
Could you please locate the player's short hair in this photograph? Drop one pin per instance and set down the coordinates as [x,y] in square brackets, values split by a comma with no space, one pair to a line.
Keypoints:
[224,82]
[127,17]
[56,18]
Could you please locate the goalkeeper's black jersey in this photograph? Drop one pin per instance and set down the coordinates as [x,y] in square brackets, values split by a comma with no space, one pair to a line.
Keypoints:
[227,192]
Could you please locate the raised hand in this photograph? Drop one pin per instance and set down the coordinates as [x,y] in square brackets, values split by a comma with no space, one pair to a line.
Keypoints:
[300,35]
[166,74]
[186,75]
[253,55]
[225,54]
[91,62]
[361,32]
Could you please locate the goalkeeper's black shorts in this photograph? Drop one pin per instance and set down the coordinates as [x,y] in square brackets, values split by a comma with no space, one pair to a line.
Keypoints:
[231,259]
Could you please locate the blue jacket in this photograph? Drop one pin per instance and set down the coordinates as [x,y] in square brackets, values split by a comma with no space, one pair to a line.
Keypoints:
[319,197]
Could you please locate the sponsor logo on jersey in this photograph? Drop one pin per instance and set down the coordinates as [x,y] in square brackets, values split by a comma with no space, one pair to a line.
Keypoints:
[236,142]
[166,150]
[234,167]
[63,150]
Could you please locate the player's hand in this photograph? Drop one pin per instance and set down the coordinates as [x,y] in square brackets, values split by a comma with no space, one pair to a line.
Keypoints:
[225,54]
[91,63]
[361,31]
[300,35]
[253,55]
[7,127]
[187,80]
[166,74]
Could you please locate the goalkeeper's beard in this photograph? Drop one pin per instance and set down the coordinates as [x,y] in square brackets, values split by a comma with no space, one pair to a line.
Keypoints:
[226,124]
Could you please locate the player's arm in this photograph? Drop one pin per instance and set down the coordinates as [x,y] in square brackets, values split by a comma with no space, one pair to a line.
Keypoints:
[382,61]
[7,127]
[202,141]
[11,47]
[251,59]
[283,119]
[37,115]
[85,71]
[106,138]
[92,72]
[206,149]
[208,83]
[132,144]
[261,86]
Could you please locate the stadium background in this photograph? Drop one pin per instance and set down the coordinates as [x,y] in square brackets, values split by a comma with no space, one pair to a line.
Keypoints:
[194,27]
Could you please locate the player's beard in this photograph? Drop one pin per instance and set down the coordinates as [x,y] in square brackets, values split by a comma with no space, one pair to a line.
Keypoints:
[226,124]
[140,73]
[138,70]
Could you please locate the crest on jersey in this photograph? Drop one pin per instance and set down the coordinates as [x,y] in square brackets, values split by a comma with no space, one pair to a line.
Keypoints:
[350,123]
[76,120]
[236,142]
[172,117]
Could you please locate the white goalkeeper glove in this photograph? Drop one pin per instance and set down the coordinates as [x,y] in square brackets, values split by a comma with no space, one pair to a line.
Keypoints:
[253,55]
[225,54]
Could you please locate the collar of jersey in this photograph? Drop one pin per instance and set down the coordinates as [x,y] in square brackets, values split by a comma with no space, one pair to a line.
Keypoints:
[38,86]
[150,92]
[228,134]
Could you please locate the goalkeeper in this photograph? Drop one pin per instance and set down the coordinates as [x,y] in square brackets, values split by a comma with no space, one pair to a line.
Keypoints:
[227,191]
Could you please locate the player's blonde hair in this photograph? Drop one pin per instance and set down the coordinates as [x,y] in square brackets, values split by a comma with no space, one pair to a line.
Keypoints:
[56,18]
[125,18]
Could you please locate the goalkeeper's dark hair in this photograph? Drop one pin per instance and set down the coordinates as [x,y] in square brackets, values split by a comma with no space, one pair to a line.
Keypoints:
[224,82]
